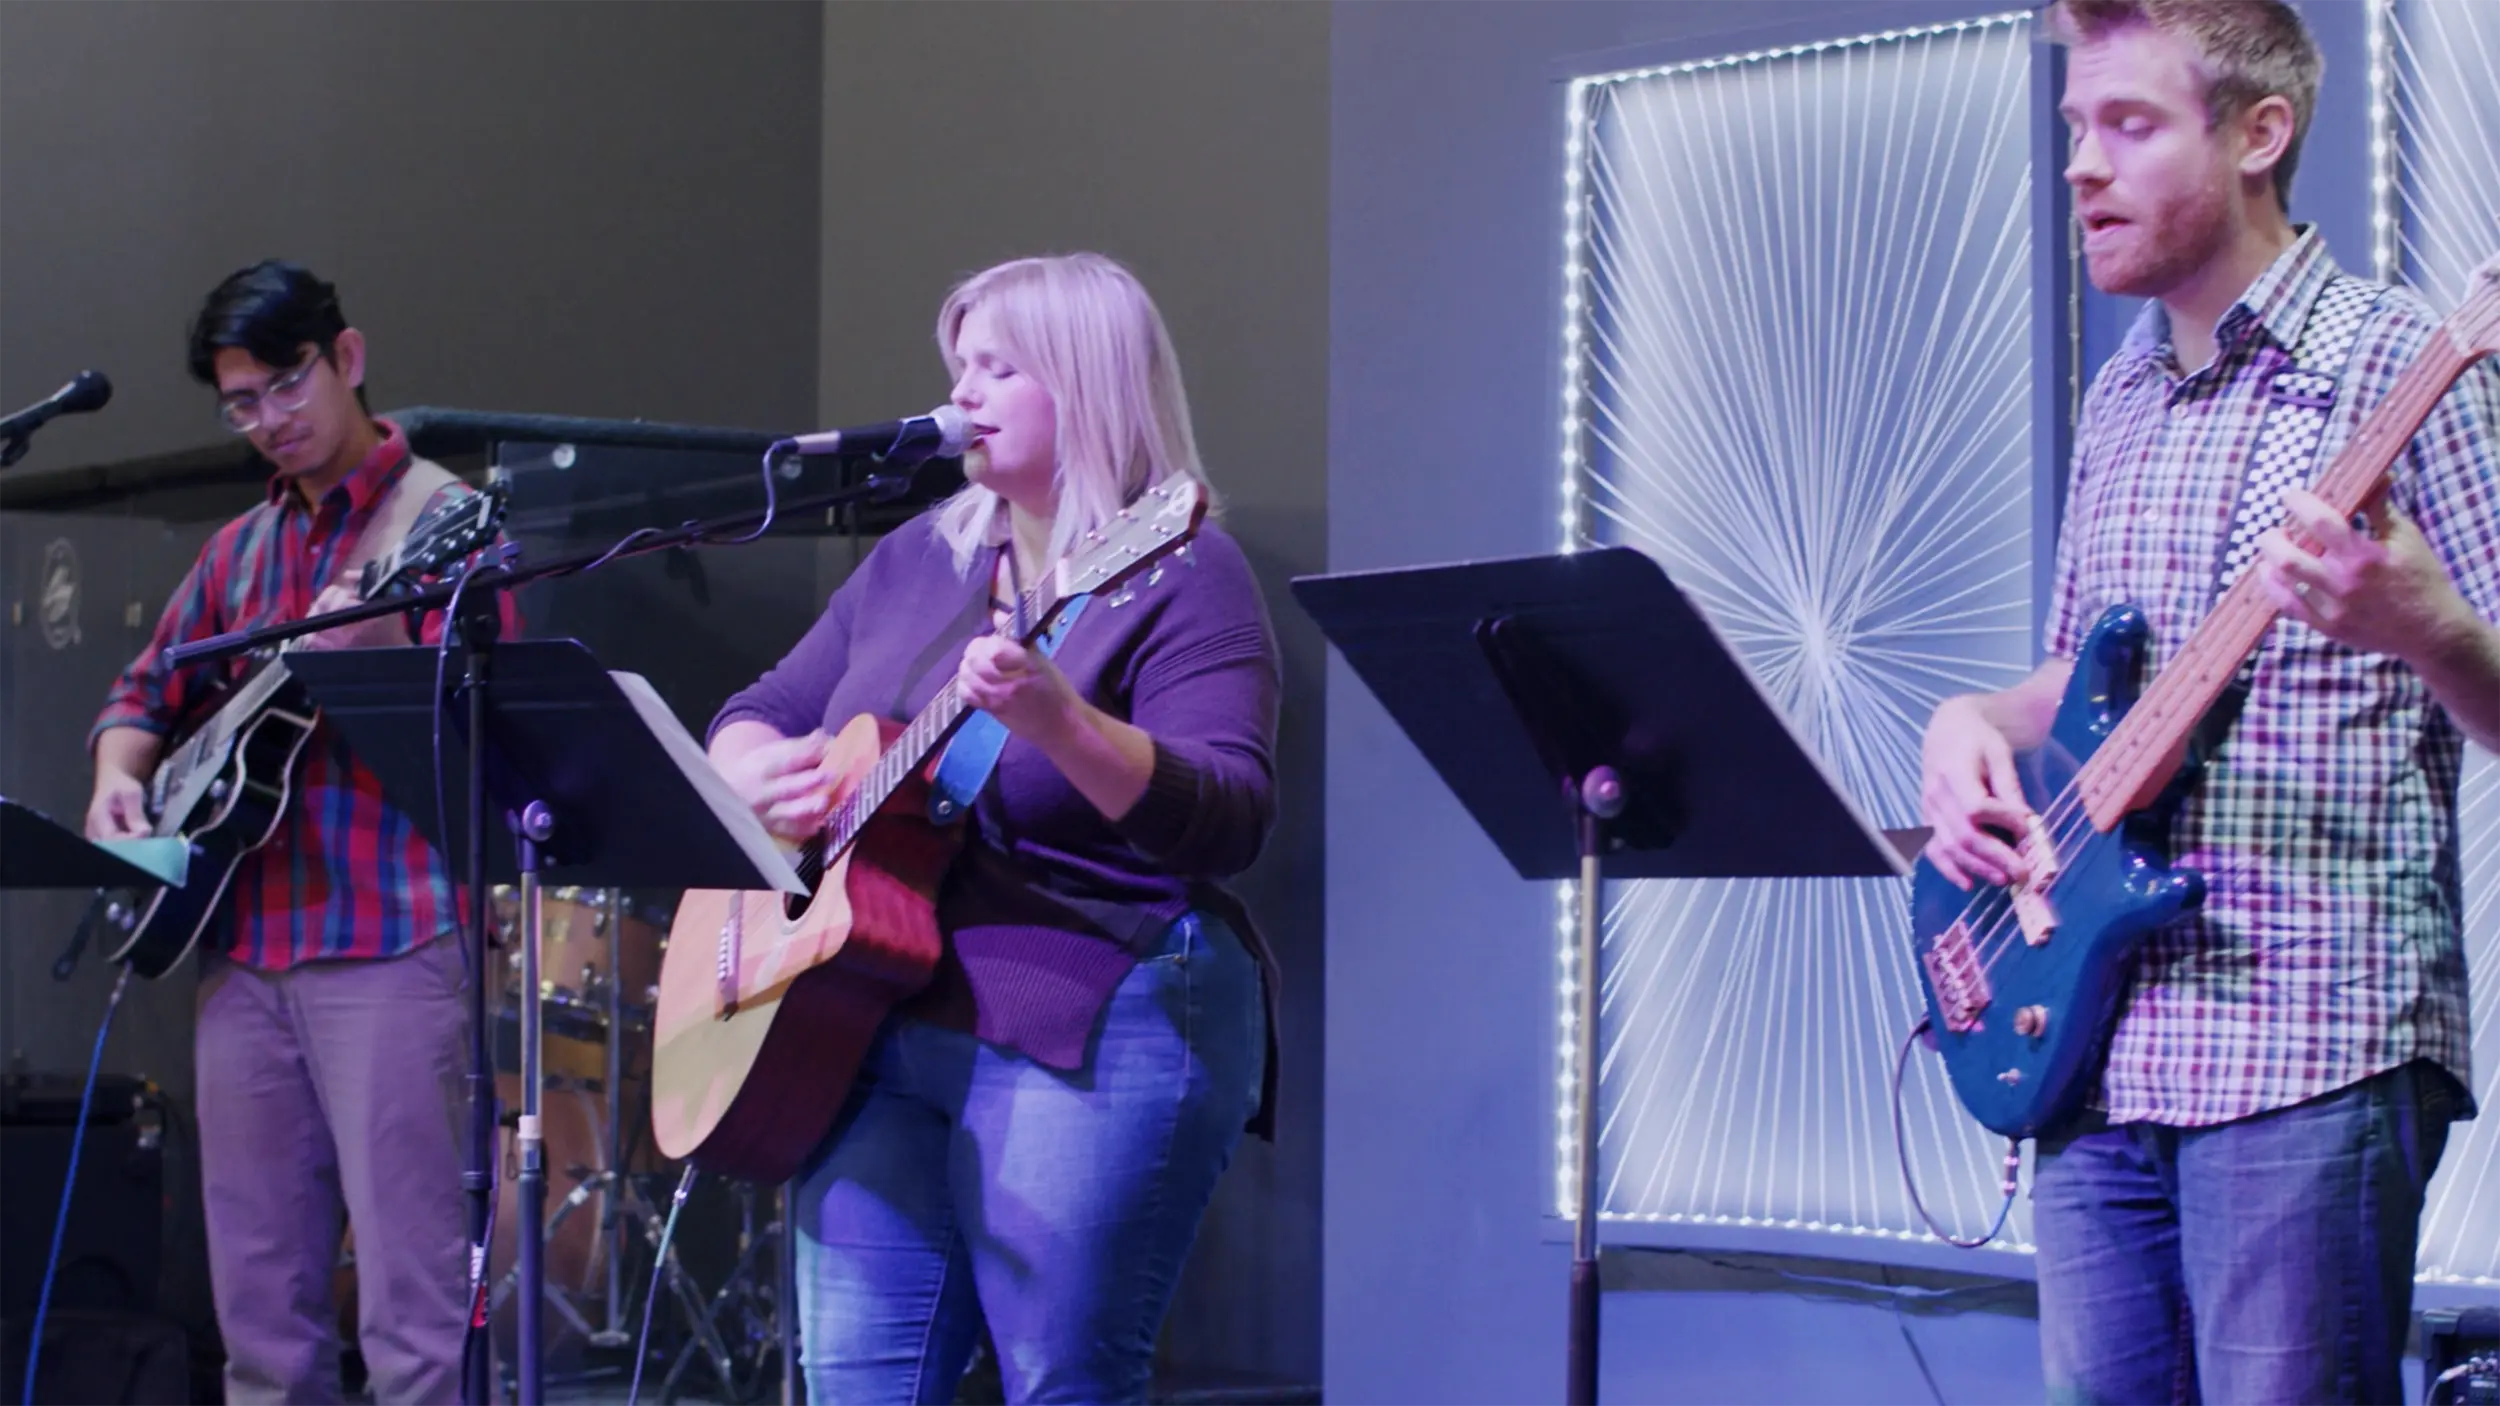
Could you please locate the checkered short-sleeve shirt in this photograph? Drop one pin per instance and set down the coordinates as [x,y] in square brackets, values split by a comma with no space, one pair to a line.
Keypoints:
[2330,946]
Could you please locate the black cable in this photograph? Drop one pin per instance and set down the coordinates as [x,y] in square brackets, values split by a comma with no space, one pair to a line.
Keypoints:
[480,1255]
[1901,1320]
[772,509]
[2480,1366]
[69,1183]
[66,965]
[772,494]
[1909,1182]
[442,817]
[1842,1289]
[659,1266]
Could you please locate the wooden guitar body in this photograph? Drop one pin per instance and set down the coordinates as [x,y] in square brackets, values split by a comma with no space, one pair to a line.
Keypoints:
[749,1092]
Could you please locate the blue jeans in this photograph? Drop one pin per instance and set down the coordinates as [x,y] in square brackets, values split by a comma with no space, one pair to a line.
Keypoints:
[965,1181]
[2264,1260]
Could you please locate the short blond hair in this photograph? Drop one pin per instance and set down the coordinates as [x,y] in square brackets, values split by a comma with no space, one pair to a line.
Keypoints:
[1084,328]
[2252,50]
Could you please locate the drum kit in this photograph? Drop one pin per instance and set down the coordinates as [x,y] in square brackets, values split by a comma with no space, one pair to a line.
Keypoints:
[608,1189]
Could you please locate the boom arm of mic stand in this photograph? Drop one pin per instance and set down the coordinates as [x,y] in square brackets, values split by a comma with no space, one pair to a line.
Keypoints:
[881,488]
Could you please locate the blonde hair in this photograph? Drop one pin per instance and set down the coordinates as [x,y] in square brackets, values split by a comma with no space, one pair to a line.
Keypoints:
[1084,328]
[2252,50]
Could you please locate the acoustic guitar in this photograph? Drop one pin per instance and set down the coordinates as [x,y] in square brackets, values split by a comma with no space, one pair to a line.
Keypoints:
[767,1002]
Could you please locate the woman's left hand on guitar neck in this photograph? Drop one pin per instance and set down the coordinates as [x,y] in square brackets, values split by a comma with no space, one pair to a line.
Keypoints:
[2376,585]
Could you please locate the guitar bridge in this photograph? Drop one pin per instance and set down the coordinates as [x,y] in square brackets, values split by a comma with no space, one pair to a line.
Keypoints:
[1961,985]
[732,949]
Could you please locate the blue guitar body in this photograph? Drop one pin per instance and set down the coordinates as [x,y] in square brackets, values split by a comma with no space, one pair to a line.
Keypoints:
[2023,1025]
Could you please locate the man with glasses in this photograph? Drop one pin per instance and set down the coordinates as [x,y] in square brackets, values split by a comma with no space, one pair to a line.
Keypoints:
[332,1035]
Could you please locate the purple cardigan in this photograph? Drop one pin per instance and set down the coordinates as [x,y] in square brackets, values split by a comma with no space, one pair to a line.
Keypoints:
[1050,904]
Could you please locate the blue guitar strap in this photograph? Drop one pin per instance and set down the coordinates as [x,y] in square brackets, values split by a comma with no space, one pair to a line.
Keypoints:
[965,767]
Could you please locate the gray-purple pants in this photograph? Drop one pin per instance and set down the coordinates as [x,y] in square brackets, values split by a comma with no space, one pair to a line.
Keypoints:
[336,1088]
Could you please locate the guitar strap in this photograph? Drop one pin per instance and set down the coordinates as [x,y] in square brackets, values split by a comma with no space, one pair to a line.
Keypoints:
[965,766]
[393,516]
[2302,394]
[2300,397]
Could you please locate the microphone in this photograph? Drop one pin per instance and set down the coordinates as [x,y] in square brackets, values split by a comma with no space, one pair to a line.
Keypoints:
[86,391]
[941,433]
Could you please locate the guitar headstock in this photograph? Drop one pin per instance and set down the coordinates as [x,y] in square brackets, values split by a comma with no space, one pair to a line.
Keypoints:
[440,537]
[1162,518]
[2476,322]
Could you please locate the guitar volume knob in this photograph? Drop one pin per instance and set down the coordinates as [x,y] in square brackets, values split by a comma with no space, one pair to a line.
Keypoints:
[2031,1022]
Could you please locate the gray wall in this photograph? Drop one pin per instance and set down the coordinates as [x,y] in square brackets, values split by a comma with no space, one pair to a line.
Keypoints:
[1442,1281]
[586,210]
[1191,142]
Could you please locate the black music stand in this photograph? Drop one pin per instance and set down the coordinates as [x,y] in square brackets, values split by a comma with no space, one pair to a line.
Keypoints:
[38,852]
[1595,725]
[599,784]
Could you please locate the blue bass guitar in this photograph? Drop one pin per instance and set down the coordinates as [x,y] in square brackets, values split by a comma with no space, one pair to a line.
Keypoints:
[2024,982]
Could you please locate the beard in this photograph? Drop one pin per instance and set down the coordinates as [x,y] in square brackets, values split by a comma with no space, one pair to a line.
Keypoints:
[2166,250]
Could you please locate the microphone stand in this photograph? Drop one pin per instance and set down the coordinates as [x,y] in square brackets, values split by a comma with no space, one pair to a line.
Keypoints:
[477,628]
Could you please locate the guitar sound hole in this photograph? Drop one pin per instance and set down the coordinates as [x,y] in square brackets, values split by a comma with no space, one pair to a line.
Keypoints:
[811,869]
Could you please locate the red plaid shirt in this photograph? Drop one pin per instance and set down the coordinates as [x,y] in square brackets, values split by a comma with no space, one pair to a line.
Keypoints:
[346,874]
[2331,943]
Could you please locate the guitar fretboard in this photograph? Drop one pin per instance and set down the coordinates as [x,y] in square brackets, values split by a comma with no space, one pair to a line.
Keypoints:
[2137,761]
[918,741]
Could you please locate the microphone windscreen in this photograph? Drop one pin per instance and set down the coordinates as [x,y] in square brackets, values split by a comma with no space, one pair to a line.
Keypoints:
[88,390]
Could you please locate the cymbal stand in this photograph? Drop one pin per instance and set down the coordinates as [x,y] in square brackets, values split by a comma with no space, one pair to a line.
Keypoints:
[752,1304]
[786,1296]
[632,1207]
[612,1227]
[622,1204]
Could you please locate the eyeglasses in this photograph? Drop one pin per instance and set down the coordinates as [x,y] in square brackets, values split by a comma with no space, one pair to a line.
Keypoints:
[288,393]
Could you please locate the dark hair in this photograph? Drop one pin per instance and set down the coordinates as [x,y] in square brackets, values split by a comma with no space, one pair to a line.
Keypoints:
[269,310]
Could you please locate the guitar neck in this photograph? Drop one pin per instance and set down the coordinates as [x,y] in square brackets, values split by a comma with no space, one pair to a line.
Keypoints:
[1160,521]
[912,748]
[2144,751]
[205,745]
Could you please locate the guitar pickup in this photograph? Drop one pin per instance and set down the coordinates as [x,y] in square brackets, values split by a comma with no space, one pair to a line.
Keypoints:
[2040,869]
[1960,984]
[2032,910]
[2039,854]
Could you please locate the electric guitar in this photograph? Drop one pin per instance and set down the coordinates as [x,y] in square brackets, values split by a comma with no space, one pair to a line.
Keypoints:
[767,1002]
[2024,982]
[227,782]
